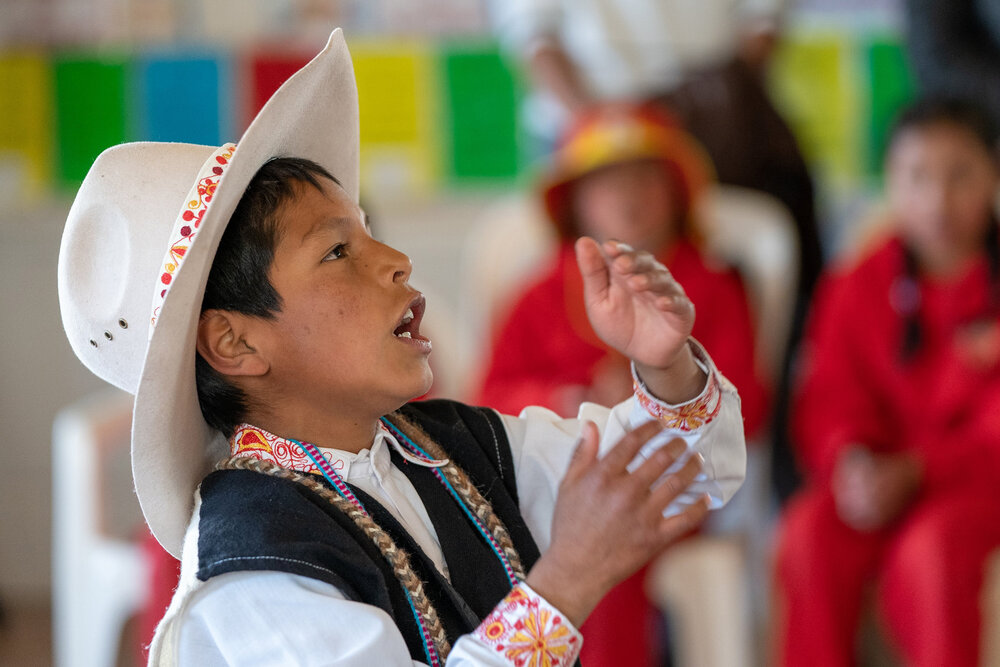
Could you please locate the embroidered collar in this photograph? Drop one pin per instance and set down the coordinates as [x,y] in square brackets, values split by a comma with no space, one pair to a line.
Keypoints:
[254,442]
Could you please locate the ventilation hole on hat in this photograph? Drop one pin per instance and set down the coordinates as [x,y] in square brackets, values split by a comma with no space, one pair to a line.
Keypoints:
[122,323]
[93,342]
[107,334]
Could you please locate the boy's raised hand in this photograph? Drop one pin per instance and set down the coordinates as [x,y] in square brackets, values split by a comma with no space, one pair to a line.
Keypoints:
[633,302]
[608,522]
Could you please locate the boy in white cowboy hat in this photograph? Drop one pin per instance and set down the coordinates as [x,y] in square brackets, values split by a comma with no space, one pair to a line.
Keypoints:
[263,331]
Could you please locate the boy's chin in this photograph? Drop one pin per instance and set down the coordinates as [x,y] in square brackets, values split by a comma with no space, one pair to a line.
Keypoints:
[419,387]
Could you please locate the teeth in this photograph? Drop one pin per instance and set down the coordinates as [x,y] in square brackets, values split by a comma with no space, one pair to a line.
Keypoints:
[405,334]
[408,317]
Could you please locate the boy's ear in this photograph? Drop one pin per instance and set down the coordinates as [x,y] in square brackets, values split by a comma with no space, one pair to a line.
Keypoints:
[222,343]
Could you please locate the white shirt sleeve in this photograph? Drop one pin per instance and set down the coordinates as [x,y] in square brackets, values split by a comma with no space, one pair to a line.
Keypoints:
[542,444]
[255,619]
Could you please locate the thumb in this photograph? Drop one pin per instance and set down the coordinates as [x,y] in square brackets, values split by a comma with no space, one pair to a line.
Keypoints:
[593,268]
[585,453]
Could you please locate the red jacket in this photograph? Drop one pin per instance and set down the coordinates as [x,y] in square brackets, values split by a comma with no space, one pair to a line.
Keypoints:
[943,405]
[547,343]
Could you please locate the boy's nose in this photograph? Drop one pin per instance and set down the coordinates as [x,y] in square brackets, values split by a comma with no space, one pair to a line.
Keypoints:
[397,264]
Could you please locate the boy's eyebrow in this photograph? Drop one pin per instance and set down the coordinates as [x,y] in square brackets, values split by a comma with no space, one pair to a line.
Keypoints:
[324,225]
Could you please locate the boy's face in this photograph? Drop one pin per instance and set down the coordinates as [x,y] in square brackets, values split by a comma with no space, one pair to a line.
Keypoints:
[334,346]
[634,202]
[941,184]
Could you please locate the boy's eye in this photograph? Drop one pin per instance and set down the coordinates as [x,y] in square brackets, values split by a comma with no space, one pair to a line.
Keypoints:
[338,251]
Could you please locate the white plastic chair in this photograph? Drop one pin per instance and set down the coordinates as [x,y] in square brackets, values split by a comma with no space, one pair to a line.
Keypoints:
[99,579]
[702,584]
[755,233]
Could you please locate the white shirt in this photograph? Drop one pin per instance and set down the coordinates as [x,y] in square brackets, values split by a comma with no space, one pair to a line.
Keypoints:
[276,618]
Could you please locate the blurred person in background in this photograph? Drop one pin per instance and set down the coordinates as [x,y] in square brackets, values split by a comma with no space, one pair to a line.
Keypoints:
[630,174]
[898,414]
[707,61]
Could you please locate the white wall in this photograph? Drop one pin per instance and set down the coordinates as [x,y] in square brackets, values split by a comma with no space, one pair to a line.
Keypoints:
[38,375]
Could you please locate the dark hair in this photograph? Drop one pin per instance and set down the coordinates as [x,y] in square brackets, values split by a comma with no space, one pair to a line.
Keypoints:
[960,112]
[238,280]
[973,118]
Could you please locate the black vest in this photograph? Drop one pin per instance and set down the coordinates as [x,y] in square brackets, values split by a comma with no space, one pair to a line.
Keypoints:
[251,521]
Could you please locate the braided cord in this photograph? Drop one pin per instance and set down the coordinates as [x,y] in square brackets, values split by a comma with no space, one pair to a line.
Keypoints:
[329,473]
[432,634]
[461,488]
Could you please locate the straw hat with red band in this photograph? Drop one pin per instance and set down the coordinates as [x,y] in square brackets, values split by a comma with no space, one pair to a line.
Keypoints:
[606,136]
[138,245]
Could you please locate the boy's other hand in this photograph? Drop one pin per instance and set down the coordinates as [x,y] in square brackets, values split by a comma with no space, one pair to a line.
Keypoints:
[637,308]
[608,522]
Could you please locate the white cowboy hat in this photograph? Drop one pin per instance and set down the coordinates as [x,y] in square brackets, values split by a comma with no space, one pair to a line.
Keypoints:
[136,252]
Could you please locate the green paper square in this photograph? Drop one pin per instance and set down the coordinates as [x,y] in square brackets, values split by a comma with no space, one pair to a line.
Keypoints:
[90,94]
[892,88]
[481,99]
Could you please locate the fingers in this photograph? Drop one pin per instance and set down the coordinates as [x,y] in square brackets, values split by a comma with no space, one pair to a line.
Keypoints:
[674,485]
[659,462]
[667,294]
[585,453]
[644,273]
[593,268]
[673,527]
[626,449]
[635,261]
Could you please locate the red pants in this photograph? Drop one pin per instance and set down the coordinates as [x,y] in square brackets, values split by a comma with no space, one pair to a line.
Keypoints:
[928,571]
[620,630]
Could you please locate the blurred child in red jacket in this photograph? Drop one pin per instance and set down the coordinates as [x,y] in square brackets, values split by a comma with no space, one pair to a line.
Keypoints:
[633,175]
[898,414]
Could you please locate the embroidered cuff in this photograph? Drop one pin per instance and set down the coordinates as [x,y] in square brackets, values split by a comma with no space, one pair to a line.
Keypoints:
[693,414]
[527,630]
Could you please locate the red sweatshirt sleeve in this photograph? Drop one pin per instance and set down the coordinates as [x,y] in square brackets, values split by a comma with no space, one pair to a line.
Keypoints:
[965,453]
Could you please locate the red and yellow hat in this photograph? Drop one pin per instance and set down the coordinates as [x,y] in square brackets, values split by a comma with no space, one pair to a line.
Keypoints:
[617,134]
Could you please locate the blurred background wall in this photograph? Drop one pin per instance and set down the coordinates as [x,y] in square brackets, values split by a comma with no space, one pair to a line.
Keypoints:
[441,140]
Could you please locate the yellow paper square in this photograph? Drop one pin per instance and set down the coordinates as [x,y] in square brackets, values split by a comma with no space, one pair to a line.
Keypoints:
[26,116]
[815,85]
[397,96]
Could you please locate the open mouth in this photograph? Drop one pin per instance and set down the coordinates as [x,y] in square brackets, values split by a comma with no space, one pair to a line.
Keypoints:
[409,324]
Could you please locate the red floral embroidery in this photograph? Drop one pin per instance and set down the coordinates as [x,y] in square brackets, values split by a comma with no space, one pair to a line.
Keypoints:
[187,224]
[693,414]
[529,632]
[259,444]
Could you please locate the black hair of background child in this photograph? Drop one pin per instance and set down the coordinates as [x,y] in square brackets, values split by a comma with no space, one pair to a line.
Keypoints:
[971,117]
[238,281]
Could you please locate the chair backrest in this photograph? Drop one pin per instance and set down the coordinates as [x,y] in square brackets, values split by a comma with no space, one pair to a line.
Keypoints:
[98,574]
[755,233]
